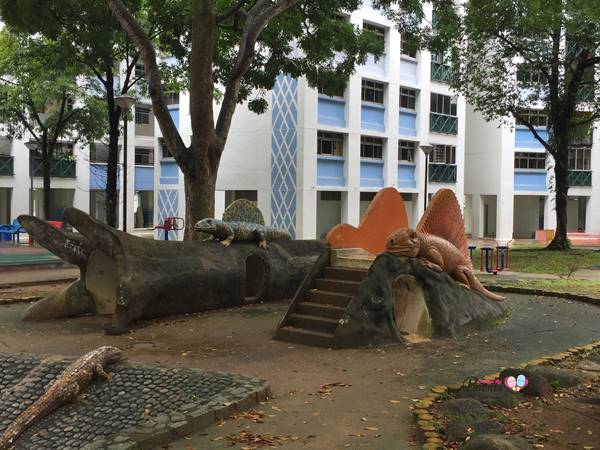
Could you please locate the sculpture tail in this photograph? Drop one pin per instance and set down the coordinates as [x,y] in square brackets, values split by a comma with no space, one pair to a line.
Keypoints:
[477,286]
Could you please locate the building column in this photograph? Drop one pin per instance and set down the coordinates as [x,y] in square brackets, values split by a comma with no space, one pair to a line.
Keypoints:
[505,207]
[477,216]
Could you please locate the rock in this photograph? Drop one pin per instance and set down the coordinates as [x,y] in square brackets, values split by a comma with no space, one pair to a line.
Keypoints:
[465,408]
[537,385]
[595,400]
[458,431]
[495,442]
[562,378]
[499,397]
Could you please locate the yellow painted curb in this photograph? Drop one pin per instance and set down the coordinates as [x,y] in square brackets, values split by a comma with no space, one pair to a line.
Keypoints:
[440,389]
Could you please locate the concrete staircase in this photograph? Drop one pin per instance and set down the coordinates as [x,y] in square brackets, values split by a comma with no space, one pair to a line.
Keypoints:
[315,313]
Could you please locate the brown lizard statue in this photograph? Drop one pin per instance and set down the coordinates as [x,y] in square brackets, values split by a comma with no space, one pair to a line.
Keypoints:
[67,386]
[440,242]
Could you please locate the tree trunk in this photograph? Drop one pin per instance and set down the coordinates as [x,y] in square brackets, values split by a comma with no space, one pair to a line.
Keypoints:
[561,173]
[46,155]
[199,201]
[112,166]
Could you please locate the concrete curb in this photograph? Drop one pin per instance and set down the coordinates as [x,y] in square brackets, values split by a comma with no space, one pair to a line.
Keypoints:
[426,418]
[543,293]
[28,299]
[37,282]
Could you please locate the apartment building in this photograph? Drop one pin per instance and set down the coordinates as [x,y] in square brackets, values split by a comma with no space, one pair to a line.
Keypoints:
[509,185]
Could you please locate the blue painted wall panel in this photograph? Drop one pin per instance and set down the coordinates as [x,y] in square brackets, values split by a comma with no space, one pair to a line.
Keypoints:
[406,176]
[534,181]
[175,115]
[169,172]
[408,123]
[144,178]
[371,173]
[330,171]
[408,70]
[332,112]
[525,139]
[372,117]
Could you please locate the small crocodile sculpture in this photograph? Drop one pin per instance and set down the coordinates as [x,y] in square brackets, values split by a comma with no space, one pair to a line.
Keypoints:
[226,232]
[67,386]
[439,255]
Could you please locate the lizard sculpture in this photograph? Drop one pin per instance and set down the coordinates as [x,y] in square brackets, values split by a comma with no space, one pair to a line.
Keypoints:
[440,242]
[439,255]
[226,232]
[69,384]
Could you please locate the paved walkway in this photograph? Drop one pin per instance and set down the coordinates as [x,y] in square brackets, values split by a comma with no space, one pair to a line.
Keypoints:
[582,274]
[369,407]
[37,276]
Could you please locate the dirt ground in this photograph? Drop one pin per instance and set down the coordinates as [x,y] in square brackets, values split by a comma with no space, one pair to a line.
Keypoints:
[369,407]
[564,421]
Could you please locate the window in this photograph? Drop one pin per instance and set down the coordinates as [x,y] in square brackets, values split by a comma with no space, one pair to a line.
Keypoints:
[172,98]
[408,45]
[62,150]
[142,115]
[98,153]
[5,144]
[535,117]
[580,158]
[527,74]
[379,32]
[331,196]
[371,147]
[331,144]
[338,91]
[139,70]
[232,196]
[70,103]
[443,104]
[372,91]
[408,98]
[525,160]
[406,151]
[144,156]
[166,153]
[443,154]
[439,58]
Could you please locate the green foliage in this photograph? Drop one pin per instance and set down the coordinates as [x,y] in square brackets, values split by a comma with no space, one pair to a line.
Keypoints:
[37,77]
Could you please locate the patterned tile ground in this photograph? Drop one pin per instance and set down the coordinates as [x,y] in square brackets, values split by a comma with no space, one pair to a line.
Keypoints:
[140,406]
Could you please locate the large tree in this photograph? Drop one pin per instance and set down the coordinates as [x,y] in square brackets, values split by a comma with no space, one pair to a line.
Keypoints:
[89,33]
[44,96]
[514,55]
[233,51]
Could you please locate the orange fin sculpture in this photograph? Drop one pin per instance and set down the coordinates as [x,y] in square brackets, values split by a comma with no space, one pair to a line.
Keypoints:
[440,242]
[385,214]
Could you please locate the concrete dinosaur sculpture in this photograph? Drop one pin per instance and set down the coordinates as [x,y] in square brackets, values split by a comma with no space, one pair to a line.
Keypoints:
[69,384]
[440,242]
[227,232]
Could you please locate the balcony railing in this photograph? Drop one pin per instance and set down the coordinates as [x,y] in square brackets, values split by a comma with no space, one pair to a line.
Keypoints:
[6,166]
[440,72]
[442,173]
[580,177]
[59,168]
[442,123]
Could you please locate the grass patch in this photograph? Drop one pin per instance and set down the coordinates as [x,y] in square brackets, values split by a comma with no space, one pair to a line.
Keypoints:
[589,288]
[537,260]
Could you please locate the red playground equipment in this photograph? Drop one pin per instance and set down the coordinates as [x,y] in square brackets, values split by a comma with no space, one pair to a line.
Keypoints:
[171,224]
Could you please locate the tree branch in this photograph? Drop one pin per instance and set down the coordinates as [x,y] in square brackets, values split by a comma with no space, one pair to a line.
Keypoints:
[258,18]
[533,130]
[27,125]
[148,56]
[231,11]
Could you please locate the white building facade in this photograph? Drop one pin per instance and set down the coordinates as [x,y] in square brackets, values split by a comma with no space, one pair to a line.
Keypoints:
[509,183]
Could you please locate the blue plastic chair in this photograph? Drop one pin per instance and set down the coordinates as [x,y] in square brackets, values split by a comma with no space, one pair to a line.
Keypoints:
[14,231]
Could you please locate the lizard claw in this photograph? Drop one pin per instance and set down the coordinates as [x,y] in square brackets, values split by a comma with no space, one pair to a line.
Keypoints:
[263,244]
[225,243]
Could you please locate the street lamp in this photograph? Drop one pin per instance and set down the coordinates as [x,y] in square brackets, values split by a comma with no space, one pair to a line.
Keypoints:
[32,147]
[427,149]
[125,102]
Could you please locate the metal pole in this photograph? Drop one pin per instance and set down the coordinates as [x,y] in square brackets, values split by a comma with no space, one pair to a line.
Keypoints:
[125,171]
[426,177]
[31,182]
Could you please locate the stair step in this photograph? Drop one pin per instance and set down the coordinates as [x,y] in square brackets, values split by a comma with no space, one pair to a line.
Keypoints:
[333,285]
[314,323]
[321,310]
[343,273]
[306,337]
[328,298]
